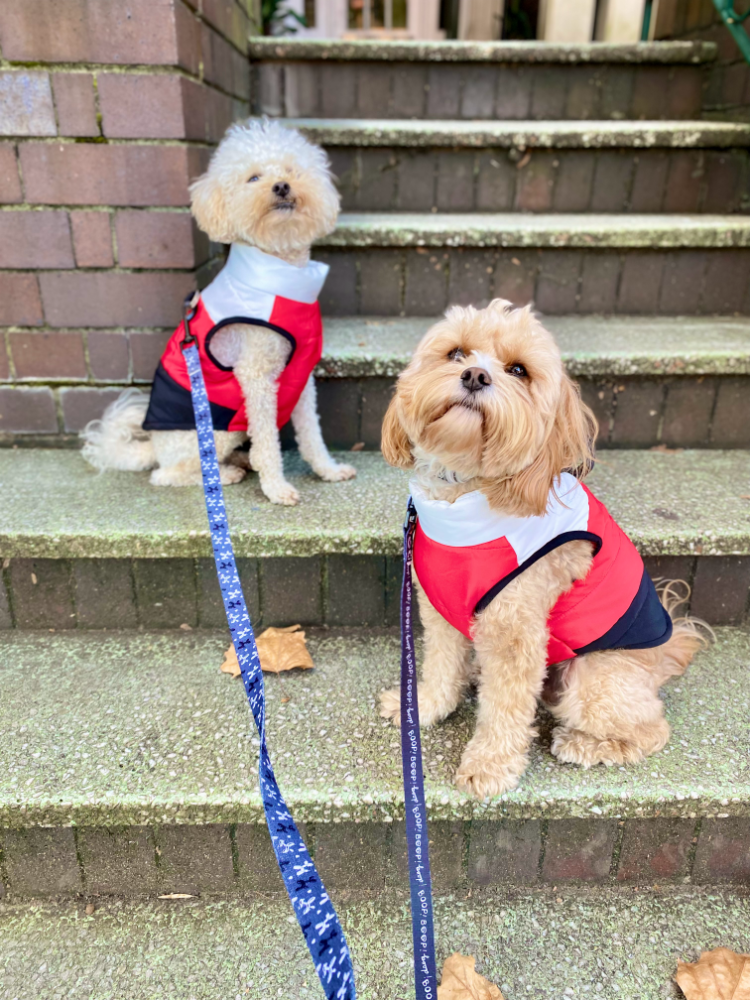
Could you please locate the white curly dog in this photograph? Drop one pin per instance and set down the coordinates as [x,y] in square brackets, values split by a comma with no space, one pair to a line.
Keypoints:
[269,193]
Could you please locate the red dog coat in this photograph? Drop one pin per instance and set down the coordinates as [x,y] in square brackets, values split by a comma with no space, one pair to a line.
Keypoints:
[254,288]
[465,554]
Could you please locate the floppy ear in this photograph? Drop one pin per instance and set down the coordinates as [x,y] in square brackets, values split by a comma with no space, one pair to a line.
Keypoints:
[209,209]
[569,448]
[394,441]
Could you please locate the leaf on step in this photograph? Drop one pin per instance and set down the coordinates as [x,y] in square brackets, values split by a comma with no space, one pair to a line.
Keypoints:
[461,981]
[665,450]
[177,895]
[283,649]
[720,974]
[279,649]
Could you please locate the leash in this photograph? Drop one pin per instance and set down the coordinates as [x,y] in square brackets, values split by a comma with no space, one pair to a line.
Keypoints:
[312,906]
[420,882]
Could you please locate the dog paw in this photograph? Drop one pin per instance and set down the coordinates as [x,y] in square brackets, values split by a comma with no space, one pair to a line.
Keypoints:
[390,705]
[483,776]
[282,493]
[231,474]
[573,746]
[337,473]
[175,477]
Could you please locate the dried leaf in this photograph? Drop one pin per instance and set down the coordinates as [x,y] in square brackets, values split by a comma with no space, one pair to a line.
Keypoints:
[283,649]
[279,649]
[665,450]
[358,446]
[720,974]
[460,981]
[177,895]
[230,664]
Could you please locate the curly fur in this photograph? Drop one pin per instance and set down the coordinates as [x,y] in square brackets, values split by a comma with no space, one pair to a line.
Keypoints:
[234,202]
[511,440]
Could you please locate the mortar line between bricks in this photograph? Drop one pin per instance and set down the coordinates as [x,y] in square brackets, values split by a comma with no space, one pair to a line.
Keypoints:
[9,591]
[235,851]
[662,413]
[694,841]
[79,859]
[616,851]
[97,140]
[466,832]
[138,69]
[543,837]
[712,416]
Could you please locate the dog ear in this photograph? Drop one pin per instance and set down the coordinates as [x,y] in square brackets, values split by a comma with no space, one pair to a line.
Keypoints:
[209,209]
[394,440]
[568,448]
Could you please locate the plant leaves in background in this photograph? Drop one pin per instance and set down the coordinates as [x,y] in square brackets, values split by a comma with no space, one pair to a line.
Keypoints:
[461,981]
[720,974]
[279,649]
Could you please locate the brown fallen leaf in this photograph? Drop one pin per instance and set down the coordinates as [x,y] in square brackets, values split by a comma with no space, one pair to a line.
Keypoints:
[279,649]
[720,974]
[461,981]
[745,496]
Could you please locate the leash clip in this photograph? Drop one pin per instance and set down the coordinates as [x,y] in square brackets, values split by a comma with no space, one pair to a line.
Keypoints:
[411,514]
[188,312]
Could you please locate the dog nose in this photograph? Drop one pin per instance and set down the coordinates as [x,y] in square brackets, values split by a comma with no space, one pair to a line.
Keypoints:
[475,379]
[281,189]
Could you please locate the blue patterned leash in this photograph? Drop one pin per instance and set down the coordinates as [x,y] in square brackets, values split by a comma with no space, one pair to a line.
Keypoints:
[422,925]
[312,906]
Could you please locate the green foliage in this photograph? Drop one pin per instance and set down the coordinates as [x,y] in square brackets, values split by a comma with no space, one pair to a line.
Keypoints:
[274,14]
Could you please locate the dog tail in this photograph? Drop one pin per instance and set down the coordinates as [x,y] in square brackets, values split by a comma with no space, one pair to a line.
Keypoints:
[118,440]
[688,634]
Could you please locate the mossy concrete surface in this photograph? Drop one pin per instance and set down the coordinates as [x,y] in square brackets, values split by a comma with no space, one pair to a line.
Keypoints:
[522,135]
[516,229]
[348,50]
[682,503]
[602,945]
[591,346]
[143,729]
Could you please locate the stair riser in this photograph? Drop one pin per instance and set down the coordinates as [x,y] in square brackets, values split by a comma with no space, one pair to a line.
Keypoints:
[419,281]
[467,91]
[333,590]
[545,180]
[363,860]
[678,412]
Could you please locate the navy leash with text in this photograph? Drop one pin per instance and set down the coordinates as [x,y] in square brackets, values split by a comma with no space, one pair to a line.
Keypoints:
[312,905]
[423,934]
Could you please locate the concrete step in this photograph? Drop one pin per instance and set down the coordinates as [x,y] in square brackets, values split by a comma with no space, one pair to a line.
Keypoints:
[653,380]
[486,80]
[415,264]
[605,945]
[111,551]
[552,166]
[129,767]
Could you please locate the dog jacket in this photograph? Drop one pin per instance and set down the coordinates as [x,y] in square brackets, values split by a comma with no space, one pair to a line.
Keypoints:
[465,554]
[256,288]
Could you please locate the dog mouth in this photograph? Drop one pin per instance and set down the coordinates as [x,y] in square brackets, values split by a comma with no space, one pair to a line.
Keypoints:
[285,206]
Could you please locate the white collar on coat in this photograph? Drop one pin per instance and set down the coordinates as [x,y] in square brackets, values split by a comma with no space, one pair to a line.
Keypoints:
[470,520]
[251,279]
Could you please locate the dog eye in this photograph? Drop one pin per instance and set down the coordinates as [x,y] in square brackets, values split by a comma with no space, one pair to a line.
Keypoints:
[518,370]
[255,177]
[456,354]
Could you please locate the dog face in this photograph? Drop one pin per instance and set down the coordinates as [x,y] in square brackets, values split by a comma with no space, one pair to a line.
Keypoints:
[266,186]
[486,396]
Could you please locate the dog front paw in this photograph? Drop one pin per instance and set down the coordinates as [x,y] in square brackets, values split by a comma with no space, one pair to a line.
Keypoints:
[390,705]
[482,775]
[337,473]
[231,474]
[282,493]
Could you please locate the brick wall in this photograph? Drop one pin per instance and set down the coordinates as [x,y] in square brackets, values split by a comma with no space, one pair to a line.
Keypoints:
[727,93]
[107,111]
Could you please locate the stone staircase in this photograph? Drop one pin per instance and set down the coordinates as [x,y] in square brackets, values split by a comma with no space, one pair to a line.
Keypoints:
[581,177]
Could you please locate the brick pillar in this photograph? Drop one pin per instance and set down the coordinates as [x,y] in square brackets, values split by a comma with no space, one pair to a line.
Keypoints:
[100,140]
[727,91]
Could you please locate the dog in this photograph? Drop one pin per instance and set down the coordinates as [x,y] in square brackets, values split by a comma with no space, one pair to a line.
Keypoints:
[514,556]
[269,193]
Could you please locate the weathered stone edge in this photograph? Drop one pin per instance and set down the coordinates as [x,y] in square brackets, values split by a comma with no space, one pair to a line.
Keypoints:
[314,542]
[666,53]
[545,135]
[578,365]
[591,232]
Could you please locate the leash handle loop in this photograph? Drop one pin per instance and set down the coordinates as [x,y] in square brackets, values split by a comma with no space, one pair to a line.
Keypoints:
[312,906]
[420,881]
